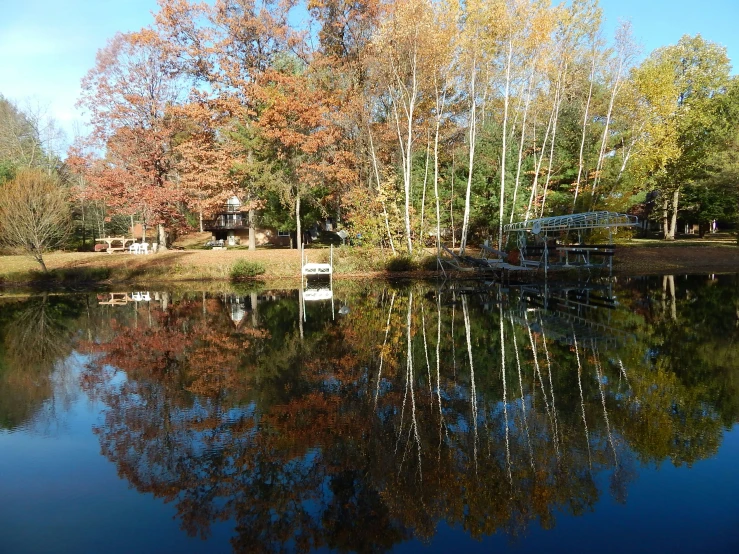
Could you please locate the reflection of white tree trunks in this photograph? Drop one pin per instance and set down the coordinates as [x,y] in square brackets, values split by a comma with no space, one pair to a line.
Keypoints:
[599,376]
[523,400]
[551,386]
[541,384]
[382,351]
[473,390]
[414,422]
[438,377]
[413,427]
[505,393]
[454,346]
[623,372]
[582,400]
[426,351]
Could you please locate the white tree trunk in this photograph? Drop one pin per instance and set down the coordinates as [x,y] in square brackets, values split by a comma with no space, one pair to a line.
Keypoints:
[423,196]
[604,139]
[581,163]
[557,104]
[520,147]
[379,190]
[534,185]
[472,140]
[501,211]
[298,227]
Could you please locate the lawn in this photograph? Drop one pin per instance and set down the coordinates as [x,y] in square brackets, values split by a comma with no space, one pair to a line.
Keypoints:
[184,265]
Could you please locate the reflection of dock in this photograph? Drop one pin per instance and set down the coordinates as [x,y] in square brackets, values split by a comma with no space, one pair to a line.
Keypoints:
[567,312]
[123,298]
[311,294]
[562,311]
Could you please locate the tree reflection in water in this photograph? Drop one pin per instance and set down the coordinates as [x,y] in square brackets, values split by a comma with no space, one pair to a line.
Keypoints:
[362,432]
[35,339]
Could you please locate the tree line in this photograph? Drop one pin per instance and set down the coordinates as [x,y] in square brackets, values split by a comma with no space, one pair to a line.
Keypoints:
[414,122]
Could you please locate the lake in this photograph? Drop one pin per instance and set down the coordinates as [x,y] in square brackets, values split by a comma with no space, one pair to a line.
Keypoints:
[373,416]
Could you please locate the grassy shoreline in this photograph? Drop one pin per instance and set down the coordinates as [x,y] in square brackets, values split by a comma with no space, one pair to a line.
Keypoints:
[79,269]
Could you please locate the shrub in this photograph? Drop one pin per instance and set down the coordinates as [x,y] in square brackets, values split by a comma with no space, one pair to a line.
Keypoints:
[400,263]
[244,270]
[429,263]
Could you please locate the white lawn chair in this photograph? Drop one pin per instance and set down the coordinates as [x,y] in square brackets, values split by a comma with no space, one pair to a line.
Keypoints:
[144,248]
[134,248]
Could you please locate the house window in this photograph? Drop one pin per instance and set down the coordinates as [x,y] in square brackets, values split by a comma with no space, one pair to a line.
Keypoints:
[283,233]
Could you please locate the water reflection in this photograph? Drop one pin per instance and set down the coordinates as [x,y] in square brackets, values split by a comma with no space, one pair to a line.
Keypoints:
[488,408]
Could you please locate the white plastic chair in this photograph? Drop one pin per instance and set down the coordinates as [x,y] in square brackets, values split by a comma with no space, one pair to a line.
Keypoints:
[144,248]
[134,248]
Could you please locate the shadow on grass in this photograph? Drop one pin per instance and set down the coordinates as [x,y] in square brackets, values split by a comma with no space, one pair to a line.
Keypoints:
[68,277]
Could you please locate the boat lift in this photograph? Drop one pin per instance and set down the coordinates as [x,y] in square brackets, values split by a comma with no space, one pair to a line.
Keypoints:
[582,222]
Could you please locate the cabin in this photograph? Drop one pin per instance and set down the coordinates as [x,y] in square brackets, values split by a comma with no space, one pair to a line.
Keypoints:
[231,225]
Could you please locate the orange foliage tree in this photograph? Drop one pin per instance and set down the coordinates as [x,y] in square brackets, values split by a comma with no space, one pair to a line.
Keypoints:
[128,96]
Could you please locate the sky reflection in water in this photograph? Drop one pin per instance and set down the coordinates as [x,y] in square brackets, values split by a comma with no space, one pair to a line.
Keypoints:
[261,422]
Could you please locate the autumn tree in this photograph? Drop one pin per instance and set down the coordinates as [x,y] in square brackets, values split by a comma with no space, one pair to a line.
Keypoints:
[128,96]
[296,124]
[34,213]
[402,70]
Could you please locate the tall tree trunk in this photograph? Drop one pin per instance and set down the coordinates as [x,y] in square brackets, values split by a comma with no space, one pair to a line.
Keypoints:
[436,174]
[557,103]
[423,195]
[665,219]
[537,165]
[299,229]
[252,231]
[581,163]
[604,140]
[161,236]
[84,231]
[451,205]
[200,219]
[379,190]
[501,211]
[673,220]
[472,140]
[520,148]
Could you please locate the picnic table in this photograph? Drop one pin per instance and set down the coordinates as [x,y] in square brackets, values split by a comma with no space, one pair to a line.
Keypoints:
[110,240]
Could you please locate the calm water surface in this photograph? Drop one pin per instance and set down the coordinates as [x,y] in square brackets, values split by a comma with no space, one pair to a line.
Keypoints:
[376,417]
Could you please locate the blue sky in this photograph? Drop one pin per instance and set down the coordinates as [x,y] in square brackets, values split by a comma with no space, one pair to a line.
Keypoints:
[47,46]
